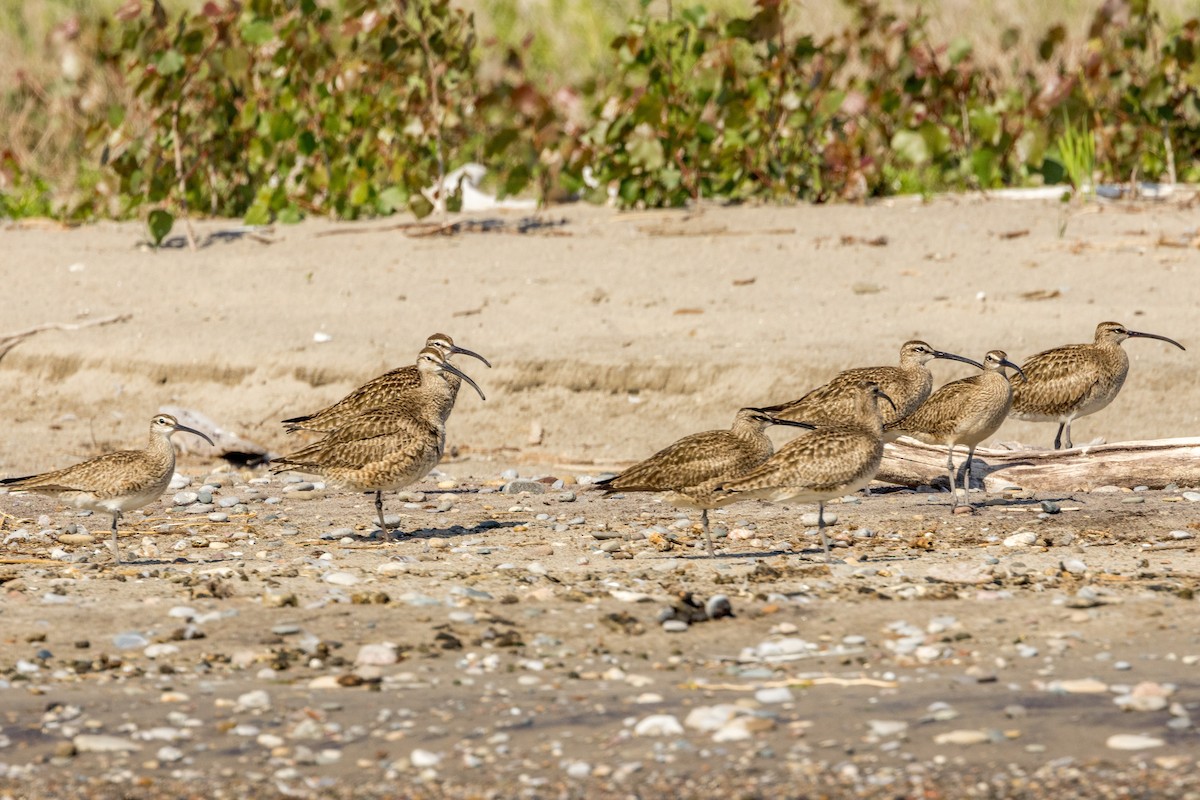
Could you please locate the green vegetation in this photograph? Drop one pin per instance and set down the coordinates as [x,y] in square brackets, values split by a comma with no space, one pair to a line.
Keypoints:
[278,109]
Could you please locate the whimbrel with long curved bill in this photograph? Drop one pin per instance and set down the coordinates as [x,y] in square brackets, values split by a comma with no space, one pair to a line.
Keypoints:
[965,411]
[384,449]
[908,385]
[391,387]
[1065,383]
[688,470]
[832,461]
[114,482]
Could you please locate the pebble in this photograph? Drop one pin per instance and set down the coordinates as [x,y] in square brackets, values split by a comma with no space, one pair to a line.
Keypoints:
[1074,566]
[101,743]
[778,694]
[711,718]
[962,737]
[524,485]
[809,519]
[160,649]
[422,759]
[1192,497]
[257,700]
[718,606]
[887,727]
[169,754]
[1021,539]
[1079,686]
[675,626]
[380,655]
[129,641]
[341,578]
[1132,741]
[658,725]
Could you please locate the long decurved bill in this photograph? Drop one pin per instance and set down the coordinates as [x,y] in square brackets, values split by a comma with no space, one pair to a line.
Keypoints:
[956,357]
[456,350]
[453,370]
[194,432]
[1156,336]
[1006,363]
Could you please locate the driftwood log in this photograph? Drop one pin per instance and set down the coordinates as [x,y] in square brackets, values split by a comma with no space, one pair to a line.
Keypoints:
[1155,463]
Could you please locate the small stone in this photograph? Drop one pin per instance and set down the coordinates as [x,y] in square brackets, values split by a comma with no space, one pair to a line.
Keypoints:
[169,754]
[675,626]
[1050,507]
[341,578]
[809,519]
[257,700]
[1192,497]
[129,641]
[1079,686]
[100,743]
[962,737]
[423,759]
[380,655]
[1074,566]
[1021,539]
[524,485]
[1132,741]
[718,606]
[658,725]
[887,727]
[778,694]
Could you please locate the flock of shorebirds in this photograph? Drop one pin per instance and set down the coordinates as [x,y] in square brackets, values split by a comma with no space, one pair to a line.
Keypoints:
[391,431]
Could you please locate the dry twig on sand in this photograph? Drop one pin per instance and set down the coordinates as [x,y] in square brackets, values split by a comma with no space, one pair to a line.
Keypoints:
[10,340]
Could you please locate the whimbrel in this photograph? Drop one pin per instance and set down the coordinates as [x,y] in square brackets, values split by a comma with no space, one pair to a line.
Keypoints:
[832,461]
[114,482]
[965,411]
[389,388]
[688,470]
[1066,383]
[908,385]
[383,449]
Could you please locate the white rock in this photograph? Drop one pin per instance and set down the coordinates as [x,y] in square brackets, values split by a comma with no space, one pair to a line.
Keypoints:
[711,718]
[887,727]
[100,743]
[379,655]
[160,649]
[736,730]
[579,770]
[340,578]
[1021,539]
[1079,686]
[257,700]
[422,759]
[658,725]
[780,694]
[169,754]
[961,737]
[1132,741]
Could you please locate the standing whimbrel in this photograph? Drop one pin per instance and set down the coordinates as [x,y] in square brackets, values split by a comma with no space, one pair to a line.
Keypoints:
[829,462]
[688,470]
[908,385]
[965,411]
[1072,381]
[389,388]
[384,449]
[114,482]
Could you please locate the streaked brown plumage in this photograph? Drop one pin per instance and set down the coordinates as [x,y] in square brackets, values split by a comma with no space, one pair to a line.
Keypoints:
[965,411]
[688,470]
[391,387]
[908,385]
[831,461]
[114,482]
[383,449]
[1072,381]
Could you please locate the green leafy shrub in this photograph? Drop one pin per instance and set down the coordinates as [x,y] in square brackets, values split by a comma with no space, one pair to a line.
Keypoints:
[280,109]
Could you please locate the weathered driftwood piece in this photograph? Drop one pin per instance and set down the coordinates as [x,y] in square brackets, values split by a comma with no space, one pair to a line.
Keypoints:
[10,340]
[1154,463]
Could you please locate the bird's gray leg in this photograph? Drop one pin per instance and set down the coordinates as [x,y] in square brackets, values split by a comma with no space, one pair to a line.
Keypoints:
[1067,431]
[967,480]
[821,530]
[116,548]
[1058,437]
[387,537]
[707,536]
[952,477]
